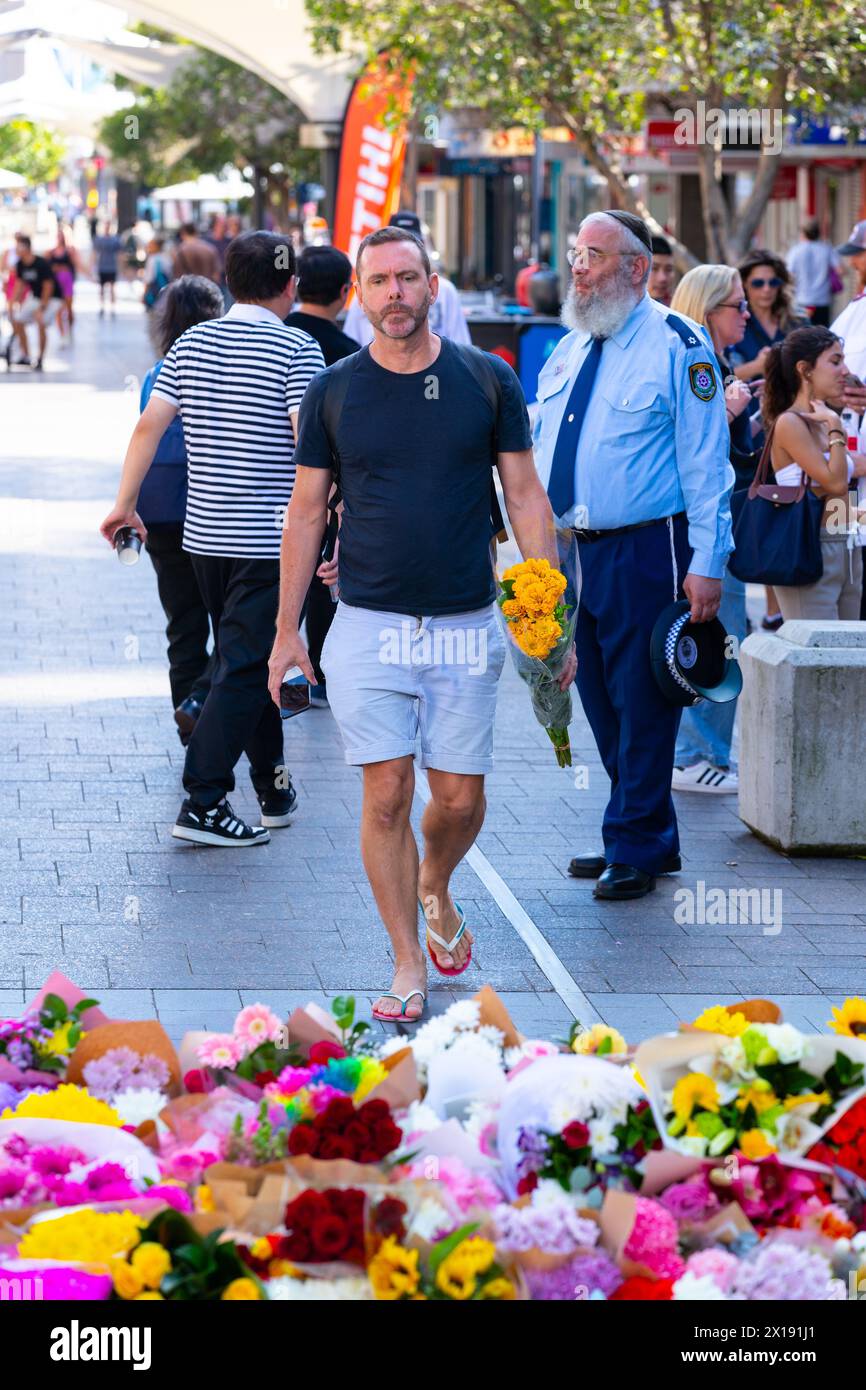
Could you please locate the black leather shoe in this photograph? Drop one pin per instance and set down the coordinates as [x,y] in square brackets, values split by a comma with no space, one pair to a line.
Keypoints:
[623,881]
[185,716]
[592,865]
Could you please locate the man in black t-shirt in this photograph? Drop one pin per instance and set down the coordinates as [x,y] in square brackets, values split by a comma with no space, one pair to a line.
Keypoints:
[324,282]
[34,274]
[415,648]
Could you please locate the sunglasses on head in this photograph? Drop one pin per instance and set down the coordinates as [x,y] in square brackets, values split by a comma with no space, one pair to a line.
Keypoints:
[758,284]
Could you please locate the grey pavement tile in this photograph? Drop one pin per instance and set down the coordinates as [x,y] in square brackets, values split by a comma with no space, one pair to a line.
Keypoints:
[128,1003]
[11,1001]
[832,977]
[88,973]
[766,982]
[177,1001]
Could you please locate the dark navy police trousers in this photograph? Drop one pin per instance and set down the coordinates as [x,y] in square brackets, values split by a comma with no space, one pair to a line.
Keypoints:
[627,581]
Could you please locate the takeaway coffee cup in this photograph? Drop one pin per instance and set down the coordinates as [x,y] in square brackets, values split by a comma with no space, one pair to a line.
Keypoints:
[127,543]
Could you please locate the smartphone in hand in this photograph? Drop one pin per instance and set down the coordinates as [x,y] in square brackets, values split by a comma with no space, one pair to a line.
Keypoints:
[294,694]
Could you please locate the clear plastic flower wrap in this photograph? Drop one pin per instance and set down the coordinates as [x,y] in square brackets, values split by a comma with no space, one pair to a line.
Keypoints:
[538,608]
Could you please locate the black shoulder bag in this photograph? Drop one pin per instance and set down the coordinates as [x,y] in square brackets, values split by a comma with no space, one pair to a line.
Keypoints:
[777,530]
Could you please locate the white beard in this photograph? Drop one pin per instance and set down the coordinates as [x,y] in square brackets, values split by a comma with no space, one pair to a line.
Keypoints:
[601,312]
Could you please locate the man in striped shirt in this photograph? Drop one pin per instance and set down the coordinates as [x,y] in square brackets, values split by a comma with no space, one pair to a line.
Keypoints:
[238,382]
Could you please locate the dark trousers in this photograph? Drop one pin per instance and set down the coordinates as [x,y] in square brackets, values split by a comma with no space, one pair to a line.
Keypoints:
[188,627]
[627,581]
[320,610]
[239,716]
[819,314]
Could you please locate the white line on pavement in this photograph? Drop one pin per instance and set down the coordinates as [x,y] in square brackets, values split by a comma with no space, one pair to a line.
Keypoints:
[536,942]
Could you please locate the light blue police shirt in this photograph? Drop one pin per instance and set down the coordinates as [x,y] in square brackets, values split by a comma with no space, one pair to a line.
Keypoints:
[655,436]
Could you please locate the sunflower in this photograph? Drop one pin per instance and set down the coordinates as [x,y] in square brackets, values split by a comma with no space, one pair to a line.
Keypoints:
[393,1271]
[850,1020]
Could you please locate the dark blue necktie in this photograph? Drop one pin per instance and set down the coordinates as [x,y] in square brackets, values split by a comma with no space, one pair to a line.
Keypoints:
[560,488]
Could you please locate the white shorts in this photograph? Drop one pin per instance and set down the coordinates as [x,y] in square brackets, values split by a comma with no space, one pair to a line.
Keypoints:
[26,312]
[391,678]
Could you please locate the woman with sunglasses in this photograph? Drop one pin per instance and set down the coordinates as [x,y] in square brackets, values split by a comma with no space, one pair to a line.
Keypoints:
[770,292]
[712,295]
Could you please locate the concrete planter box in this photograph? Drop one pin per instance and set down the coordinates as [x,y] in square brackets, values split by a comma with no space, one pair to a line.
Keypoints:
[803,737]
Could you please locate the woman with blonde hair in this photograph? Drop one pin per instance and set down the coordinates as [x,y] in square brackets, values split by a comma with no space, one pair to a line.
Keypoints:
[712,295]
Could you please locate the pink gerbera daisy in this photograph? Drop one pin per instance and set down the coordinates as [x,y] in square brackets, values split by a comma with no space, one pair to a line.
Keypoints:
[254,1025]
[219,1050]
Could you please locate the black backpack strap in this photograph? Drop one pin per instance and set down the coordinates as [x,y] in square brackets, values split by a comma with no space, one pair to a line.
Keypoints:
[339,380]
[477,362]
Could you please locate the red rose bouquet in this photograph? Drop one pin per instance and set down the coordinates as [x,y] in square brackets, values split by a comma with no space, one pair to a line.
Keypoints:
[365,1135]
[844,1144]
[324,1226]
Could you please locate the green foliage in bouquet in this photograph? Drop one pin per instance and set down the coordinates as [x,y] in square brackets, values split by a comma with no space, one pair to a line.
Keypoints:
[201,1266]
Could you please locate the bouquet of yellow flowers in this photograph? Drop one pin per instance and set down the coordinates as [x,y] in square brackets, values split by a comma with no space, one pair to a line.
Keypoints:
[539,619]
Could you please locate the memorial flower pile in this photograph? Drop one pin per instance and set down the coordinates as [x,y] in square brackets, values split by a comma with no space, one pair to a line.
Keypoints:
[465,1163]
[769,1089]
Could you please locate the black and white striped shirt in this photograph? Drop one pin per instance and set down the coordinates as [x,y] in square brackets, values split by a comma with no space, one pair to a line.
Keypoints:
[234,381]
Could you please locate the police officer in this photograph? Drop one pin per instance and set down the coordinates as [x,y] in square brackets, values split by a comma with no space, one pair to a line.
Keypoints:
[631,441]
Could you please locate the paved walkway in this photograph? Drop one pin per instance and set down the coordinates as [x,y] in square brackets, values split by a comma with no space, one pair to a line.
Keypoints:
[90,786]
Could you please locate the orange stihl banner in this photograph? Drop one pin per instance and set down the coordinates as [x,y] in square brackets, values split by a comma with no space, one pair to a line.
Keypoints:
[371,157]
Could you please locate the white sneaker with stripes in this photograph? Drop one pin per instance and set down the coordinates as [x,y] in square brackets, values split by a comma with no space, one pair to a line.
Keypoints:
[703,777]
[218,826]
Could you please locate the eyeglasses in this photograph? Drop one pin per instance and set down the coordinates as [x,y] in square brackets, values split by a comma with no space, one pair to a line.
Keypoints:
[773,283]
[742,305]
[585,256]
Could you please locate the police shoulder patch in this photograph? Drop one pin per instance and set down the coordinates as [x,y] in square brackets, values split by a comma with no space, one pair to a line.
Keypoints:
[702,380]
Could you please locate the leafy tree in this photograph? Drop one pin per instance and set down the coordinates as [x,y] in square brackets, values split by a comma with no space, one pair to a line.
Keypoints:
[31,150]
[211,114]
[599,67]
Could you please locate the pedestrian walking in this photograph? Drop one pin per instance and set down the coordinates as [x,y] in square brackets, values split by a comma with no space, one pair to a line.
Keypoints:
[237,382]
[324,282]
[447,318]
[162,507]
[65,263]
[631,442]
[106,249]
[815,268]
[35,299]
[195,256]
[808,437]
[413,424]
[712,295]
[158,271]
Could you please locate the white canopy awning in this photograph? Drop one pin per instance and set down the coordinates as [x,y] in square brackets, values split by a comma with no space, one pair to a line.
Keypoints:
[206,189]
[10,180]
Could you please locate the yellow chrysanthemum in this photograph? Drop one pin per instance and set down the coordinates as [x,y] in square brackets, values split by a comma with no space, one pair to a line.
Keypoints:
[58,1045]
[850,1020]
[755,1144]
[204,1198]
[151,1262]
[760,1095]
[501,1289]
[128,1283]
[537,638]
[67,1102]
[532,595]
[150,1296]
[86,1236]
[474,1253]
[590,1040]
[719,1020]
[697,1091]
[241,1291]
[511,608]
[261,1249]
[393,1271]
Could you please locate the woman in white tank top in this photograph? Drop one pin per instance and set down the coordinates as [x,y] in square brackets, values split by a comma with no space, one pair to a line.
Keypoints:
[801,373]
